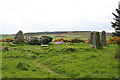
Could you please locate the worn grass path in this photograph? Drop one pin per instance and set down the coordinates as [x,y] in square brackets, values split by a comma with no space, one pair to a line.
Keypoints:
[47,69]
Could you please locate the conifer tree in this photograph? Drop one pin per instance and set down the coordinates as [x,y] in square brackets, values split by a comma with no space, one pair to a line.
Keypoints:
[116,24]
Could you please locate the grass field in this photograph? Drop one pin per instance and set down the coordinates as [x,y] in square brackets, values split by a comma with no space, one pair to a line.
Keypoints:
[6,36]
[81,35]
[78,60]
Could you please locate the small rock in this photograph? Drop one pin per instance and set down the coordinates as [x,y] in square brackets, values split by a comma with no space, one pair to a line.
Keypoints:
[11,44]
[71,44]
[56,43]
[44,45]
[4,48]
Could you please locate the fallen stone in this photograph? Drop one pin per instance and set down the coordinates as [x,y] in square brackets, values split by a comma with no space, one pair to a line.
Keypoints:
[32,40]
[38,40]
[46,39]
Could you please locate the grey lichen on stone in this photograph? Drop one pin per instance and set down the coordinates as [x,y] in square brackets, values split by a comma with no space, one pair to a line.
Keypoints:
[32,40]
[90,41]
[103,37]
[19,37]
[96,40]
[38,40]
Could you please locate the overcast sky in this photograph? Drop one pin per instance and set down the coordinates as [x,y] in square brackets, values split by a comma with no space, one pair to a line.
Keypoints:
[56,15]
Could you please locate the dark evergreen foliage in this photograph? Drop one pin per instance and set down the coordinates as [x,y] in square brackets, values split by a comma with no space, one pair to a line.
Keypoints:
[116,24]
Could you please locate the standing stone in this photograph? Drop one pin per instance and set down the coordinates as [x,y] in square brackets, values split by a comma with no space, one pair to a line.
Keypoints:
[96,40]
[90,41]
[103,37]
[19,37]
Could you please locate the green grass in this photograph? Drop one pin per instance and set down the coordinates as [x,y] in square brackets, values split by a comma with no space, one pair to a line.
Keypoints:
[67,37]
[52,35]
[59,61]
[6,36]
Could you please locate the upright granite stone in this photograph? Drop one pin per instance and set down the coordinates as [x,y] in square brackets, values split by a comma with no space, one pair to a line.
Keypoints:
[103,37]
[90,41]
[19,37]
[96,40]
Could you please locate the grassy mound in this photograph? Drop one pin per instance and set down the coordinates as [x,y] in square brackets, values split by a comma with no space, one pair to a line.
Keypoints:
[23,66]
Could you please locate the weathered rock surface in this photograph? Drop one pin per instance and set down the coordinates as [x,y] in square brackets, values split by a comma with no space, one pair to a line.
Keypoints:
[38,40]
[46,39]
[19,37]
[96,40]
[90,41]
[32,40]
[103,37]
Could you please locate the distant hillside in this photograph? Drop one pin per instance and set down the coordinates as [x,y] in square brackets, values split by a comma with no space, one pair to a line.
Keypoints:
[56,32]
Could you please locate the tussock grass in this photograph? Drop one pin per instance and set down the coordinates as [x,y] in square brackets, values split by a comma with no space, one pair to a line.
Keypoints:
[58,61]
